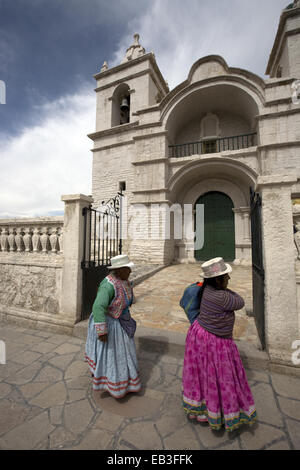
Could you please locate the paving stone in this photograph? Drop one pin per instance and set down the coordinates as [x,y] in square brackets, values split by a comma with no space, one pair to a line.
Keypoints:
[231,446]
[15,350]
[61,437]
[23,375]
[42,334]
[182,439]
[108,421]
[167,425]
[142,404]
[57,339]
[28,435]
[257,375]
[78,382]
[171,381]
[150,373]
[61,362]
[28,357]
[290,407]
[9,370]
[49,373]
[294,432]
[266,405]
[78,415]
[33,388]
[56,414]
[5,389]
[12,414]
[43,347]
[52,396]
[286,386]
[67,349]
[95,440]
[260,436]
[29,339]
[281,445]
[141,435]
[76,395]
[76,369]
[208,437]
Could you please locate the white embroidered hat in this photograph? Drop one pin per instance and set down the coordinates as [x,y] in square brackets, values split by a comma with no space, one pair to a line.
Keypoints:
[120,261]
[215,267]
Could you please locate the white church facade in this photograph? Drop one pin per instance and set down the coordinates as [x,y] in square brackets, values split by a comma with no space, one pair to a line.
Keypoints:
[205,142]
[219,133]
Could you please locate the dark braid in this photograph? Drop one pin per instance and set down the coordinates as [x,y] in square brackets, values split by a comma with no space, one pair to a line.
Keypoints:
[208,282]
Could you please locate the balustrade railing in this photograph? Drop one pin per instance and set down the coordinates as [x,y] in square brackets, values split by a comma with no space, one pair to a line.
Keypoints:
[34,237]
[236,142]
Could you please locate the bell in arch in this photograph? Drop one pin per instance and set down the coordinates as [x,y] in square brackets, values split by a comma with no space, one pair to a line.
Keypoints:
[124,105]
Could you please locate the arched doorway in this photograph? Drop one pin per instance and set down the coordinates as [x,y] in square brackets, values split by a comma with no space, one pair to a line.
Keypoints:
[219,232]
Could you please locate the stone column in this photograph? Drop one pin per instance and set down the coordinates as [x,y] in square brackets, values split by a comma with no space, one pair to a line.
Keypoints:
[71,298]
[281,314]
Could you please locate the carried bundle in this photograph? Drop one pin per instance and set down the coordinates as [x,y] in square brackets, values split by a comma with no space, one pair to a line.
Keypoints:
[190,301]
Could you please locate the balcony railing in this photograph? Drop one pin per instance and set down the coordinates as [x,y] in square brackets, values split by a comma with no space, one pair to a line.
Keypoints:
[205,146]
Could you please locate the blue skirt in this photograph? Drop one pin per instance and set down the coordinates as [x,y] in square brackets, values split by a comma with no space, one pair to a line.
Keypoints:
[113,363]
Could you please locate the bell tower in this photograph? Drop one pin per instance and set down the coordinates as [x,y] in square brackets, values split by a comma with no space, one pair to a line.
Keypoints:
[284,59]
[125,89]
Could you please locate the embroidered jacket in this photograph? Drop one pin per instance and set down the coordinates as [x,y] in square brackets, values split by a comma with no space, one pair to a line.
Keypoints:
[110,300]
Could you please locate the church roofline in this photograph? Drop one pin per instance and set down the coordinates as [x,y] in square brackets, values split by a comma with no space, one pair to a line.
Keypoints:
[283,17]
[150,56]
[230,70]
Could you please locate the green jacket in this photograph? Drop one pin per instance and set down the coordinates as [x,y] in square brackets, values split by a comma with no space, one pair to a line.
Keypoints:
[105,295]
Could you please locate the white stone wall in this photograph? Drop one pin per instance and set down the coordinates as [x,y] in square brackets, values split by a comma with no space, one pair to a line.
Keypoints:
[230,125]
[31,284]
[294,55]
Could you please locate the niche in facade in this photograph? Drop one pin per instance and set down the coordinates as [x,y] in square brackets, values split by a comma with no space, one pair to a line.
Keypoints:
[121,105]
[210,131]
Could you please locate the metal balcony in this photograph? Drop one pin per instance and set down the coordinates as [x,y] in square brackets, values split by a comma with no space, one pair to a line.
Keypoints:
[206,146]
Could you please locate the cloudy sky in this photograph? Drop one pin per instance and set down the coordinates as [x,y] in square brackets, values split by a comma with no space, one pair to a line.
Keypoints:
[49,52]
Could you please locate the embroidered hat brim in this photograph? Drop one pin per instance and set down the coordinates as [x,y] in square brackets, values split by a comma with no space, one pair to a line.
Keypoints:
[215,267]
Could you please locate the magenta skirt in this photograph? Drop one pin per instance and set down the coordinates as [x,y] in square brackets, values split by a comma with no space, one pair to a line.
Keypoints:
[214,382]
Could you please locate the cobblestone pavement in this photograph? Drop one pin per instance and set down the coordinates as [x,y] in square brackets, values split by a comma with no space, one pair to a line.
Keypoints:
[157,299]
[47,402]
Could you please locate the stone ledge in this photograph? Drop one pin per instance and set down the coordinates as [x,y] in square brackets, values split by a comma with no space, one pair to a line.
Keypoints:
[36,320]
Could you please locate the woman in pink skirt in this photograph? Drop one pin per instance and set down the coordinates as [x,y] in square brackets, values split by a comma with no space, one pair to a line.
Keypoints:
[215,386]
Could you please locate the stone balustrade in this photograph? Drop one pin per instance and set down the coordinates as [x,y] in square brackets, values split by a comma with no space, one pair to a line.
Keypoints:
[43,235]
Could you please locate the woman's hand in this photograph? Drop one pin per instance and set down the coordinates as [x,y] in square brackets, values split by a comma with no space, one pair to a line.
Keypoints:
[103,338]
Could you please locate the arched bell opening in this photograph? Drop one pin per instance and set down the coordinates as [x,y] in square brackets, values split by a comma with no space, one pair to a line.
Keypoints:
[121,105]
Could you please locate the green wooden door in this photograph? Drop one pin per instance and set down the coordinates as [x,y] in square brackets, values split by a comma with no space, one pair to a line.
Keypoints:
[219,238]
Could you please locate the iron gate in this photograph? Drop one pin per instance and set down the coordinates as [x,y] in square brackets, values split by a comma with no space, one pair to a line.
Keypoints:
[102,241]
[258,274]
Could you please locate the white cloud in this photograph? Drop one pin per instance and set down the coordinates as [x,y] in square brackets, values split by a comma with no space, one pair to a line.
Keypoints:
[180,33]
[50,159]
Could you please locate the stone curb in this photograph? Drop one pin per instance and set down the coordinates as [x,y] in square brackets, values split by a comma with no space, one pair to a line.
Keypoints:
[141,278]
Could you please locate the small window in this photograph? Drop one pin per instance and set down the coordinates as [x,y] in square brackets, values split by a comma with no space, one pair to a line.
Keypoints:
[122,186]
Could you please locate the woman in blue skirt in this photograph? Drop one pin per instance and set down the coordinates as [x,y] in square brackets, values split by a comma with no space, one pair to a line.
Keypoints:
[110,349]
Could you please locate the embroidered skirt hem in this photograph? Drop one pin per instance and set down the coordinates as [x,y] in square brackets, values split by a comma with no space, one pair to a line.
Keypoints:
[216,421]
[113,363]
